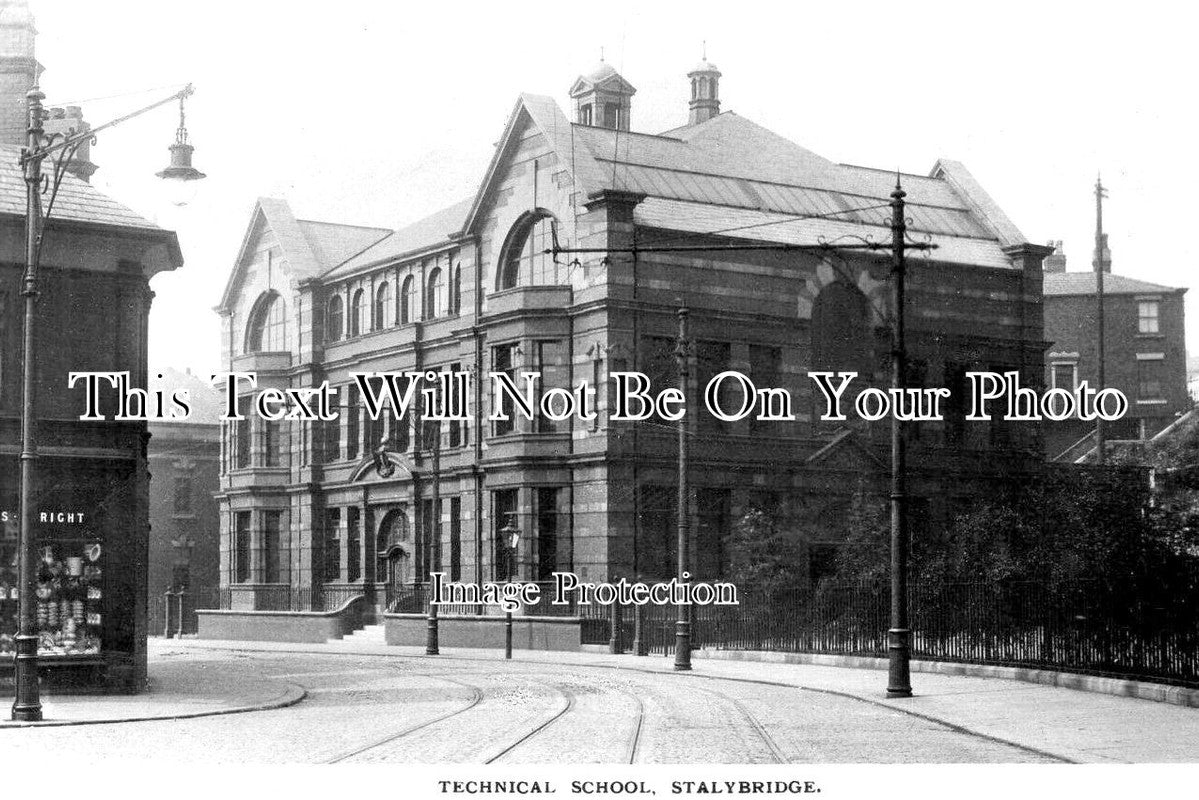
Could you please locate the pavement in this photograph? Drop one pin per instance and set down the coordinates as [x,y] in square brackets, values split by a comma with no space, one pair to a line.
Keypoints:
[837,714]
[196,688]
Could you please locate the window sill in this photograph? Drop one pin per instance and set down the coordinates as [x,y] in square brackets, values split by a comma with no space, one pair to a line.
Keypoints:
[1160,402]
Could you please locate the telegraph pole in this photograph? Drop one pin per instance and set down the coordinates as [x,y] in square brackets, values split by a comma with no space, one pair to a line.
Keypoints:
[1100,268]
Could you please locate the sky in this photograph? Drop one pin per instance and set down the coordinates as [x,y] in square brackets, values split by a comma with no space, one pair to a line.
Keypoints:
[380,113]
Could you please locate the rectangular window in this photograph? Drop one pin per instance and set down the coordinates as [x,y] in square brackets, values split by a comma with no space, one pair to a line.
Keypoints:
[1064,376]
[430,434]
[332,545]
[711,359]
[431,534]
[1151,379]
[503,359]
[457,430]
[455,538]
[504,506]
[353,428]
[272,443]
[764,370]
[270,545]
[374,428]
[551,363]
[1147,316]
[183,494]
[711,557]
[657,543]
[547,532]
[241,547]
[353,545]
[331,437]
[241,434]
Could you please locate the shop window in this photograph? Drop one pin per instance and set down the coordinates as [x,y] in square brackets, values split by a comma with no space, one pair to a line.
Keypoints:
[1147,316]
[68,613]
[241,547]
[267,331]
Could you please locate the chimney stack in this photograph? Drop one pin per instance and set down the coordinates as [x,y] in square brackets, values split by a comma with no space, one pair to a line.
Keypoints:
[69,121]
[1055,262]
[705,92]
[19,70]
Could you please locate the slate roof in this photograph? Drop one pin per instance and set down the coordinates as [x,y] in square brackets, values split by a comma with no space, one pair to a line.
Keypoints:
[1084,283]
[332,242]
[78,200]
[421,235]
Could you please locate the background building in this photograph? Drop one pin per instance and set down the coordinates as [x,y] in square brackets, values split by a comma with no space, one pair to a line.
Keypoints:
[472,288]
[184,458]
[1145,351]
[91,532]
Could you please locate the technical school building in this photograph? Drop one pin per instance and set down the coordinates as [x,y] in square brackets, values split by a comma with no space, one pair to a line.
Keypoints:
[471,288]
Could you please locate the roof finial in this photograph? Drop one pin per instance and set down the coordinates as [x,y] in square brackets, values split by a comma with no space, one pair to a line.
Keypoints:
[705,41]
[601,54]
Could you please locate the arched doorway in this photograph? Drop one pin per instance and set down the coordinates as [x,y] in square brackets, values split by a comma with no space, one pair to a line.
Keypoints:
[393,553]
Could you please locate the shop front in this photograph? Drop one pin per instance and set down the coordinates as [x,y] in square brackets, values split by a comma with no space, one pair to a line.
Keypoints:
[89,614]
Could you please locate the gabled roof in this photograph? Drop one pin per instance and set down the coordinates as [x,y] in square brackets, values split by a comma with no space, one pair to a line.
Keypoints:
[1084,283]
[430,232]
[308,247]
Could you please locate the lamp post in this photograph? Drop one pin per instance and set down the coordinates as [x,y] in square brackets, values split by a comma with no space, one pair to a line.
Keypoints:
[59,149]
[431,632]
[682,626]
[511,538]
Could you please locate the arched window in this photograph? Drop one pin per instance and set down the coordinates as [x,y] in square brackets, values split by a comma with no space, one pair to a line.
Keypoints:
[406,301]
[435,294]
[334,321]
[456,291]
[356,311]
[382,316]
[267,331]
[525,261]
[841,339]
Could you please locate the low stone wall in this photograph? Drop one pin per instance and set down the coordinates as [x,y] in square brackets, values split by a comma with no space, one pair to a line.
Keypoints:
[528,633]
[282,626]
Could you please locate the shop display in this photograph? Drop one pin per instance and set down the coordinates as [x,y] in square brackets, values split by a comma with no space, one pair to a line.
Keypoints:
[68,595]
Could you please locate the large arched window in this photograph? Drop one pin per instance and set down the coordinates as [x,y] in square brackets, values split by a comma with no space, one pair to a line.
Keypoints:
[334,319]
[435,294]
[525,261]
[382,315]
[267,331]
[841,339]
[456,291]
[406,301]
[357,308]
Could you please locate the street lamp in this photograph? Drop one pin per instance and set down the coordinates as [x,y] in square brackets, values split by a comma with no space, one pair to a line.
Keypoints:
[59,149]
[510,538]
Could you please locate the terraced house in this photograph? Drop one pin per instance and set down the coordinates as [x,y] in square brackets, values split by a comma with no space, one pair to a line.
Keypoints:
[472,288]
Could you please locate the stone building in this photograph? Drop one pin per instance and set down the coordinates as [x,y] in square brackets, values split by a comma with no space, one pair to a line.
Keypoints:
[472,288]
[1144,344]
[91,521]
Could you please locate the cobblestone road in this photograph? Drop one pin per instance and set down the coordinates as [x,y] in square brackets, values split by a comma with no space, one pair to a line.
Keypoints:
[363,709]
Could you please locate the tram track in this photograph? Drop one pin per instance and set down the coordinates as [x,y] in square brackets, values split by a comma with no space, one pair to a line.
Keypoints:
[754,723]
[569,698]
